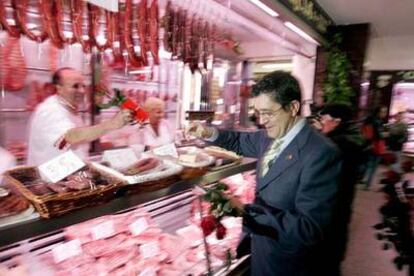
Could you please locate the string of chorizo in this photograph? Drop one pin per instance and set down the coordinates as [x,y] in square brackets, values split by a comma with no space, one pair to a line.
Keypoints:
[94,17]
[20,9]
[13,31]
[134,59]
[143,29]
[60,7]
[48,10]
[77,7]
[153,31]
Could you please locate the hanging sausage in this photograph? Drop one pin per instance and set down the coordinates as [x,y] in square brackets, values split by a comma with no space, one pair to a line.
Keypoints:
[143,29]
[60,7]
[13,31]
[153,31]
[168,24]
[20,9]
[134,59]
[48,10]
[77,10]
[94,17]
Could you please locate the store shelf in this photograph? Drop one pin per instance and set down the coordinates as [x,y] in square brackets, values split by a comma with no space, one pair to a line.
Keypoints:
[34,228]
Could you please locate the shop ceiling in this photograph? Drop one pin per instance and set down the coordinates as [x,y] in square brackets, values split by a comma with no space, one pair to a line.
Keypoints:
[387,18]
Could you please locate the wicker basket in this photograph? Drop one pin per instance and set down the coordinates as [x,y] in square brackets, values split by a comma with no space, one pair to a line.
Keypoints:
[52,205]
[153,185]
[190,172]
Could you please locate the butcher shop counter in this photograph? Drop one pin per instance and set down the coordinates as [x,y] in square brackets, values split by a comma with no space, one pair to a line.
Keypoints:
[39,228]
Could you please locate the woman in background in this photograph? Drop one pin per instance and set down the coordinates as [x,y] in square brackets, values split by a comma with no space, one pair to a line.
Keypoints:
[158,132]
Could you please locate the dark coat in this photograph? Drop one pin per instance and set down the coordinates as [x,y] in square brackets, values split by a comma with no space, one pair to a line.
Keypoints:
[294,202]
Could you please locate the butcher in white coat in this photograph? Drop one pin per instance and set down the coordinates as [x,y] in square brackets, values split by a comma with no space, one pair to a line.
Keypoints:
[158,132]
[56,126]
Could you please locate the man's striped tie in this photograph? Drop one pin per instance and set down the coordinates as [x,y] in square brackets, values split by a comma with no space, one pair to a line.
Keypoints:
[270,156]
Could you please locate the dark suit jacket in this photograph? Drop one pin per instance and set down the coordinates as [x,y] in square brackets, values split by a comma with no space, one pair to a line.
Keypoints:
[294,202]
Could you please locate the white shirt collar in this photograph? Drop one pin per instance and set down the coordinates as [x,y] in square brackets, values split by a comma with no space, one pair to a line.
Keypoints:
[291,134]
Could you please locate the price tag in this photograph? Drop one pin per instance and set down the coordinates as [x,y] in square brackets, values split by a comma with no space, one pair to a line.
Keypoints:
[120,159]
[138,226]
[103,230]
[168,149]
[60,167]
[148,250]
[149,271]
[66,250]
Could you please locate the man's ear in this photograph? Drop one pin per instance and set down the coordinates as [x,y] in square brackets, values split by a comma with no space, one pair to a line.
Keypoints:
[294,108]
[337,121]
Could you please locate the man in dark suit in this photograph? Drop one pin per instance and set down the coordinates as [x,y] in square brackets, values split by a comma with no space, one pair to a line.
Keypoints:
[297,181]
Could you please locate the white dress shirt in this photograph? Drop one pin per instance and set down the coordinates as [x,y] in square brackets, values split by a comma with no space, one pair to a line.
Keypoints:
[50,121]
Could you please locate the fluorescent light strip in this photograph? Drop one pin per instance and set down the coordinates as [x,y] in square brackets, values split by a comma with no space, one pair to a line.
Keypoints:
[277,66]
[405,85]
[300,32]
[265,8]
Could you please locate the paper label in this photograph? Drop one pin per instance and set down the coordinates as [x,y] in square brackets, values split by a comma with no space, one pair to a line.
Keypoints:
[168,149]
[148,250]
[66,250]
[60,167]
[138,226]
[103,230]
[120,159]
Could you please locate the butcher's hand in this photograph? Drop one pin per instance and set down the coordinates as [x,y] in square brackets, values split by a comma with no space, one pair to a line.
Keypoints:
[199,131]
[121,119]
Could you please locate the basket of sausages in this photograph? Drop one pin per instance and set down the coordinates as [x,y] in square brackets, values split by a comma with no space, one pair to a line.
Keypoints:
[86,187]
[146,174]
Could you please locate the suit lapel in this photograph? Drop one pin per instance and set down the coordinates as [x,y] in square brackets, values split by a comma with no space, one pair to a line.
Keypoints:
[288,157]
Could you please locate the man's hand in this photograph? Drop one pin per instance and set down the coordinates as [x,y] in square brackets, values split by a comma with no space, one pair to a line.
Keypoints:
[199,131]
[121,119]
[236,203]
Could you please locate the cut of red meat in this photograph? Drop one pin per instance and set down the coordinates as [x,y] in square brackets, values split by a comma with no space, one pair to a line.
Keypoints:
[118,258]
[102,247]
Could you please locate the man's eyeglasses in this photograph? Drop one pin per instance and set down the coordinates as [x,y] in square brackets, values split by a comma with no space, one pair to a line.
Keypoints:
[267,115]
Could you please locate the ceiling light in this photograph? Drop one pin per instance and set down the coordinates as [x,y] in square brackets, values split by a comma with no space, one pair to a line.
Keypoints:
[300,32]
[277,66]
[265,8]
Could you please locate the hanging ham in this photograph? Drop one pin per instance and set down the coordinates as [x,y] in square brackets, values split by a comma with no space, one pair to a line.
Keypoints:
[14,66]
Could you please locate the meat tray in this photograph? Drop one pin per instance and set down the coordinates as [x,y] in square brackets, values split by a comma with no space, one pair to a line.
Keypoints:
[52,205]
[167,173]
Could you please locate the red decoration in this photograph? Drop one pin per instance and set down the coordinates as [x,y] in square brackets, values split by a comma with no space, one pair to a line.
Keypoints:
[208,224]
[221,231]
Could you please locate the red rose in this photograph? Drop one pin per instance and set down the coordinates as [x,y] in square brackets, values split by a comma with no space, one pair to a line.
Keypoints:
[208,224]
[220,231]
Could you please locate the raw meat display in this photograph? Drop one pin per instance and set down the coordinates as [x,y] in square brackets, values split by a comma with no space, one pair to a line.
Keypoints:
[142,166]
[150,249]
[81,180]
[12,204]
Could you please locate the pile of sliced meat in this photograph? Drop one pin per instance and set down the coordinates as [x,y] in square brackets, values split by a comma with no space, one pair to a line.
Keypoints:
[133,244]
[81,180]
[12,205]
